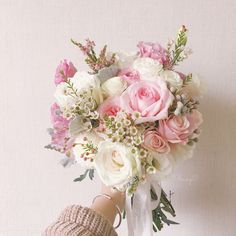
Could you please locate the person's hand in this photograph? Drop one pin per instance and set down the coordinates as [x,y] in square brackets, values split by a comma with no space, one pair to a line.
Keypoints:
[117,196]
[106,207]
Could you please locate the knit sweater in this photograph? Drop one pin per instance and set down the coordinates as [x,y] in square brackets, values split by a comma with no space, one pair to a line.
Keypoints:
[80,221]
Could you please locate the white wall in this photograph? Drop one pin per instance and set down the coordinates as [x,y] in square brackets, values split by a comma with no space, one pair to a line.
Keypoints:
[34,37]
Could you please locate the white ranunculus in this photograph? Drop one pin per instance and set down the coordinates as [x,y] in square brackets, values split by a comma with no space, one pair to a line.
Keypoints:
[147,67]
[84,80]
[114,86]
[79,150]
[62,96]
[163,165]
[81,81]
[172,78]
[116,165]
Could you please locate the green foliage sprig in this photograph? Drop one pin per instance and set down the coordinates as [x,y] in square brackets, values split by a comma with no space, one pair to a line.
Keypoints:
[159,214]
[176,51]
[89,172]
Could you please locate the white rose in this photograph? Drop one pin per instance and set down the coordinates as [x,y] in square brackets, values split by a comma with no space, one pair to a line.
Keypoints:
[147,67]
[115,164]
[114,86]
[172,78]
[84,81]
[82,154]
[163,166]
[181,152]
[195,88]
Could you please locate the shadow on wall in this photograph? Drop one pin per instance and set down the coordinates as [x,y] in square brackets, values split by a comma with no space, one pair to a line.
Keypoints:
[213,190]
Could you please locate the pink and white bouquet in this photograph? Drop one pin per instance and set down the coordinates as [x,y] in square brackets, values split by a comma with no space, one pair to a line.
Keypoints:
[131,118]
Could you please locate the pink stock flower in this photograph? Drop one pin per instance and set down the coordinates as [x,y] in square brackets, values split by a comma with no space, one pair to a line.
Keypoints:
[177,129]
[182,76]
[155,142]
[152,50]
[57,119]
[64,71]
[150,98]
[129,75]
[110,107]
[60,132]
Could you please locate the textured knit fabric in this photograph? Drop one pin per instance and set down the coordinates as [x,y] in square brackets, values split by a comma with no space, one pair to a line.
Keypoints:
[80,221]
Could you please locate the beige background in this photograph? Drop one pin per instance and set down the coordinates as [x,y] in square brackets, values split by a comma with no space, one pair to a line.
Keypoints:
[34,37]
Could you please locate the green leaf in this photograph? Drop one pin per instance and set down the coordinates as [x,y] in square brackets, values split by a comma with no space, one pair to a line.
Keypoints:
[91,174]
[158,215]
[124,214]
[82,177]
[157,220]
[153,194]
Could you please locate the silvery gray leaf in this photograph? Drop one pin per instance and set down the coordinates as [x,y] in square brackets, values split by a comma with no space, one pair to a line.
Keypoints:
[50,131]
[76,126]
[58,112]
[107,73]
[68,161]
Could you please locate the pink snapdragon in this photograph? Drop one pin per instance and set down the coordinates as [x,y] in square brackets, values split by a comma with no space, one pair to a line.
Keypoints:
[129,75]
[64,71]
[177,129]
[152,50]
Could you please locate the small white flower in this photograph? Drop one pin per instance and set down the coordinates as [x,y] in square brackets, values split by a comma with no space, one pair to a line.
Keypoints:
[147,67]
[151,170]
[80,151]
[115,164]
[172,78]
[163,165]
[113,87]
[178,108]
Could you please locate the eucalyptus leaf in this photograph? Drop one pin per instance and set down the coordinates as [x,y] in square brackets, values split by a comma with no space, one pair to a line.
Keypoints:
[76,126]
[91,174]
[158,215]
[81,177]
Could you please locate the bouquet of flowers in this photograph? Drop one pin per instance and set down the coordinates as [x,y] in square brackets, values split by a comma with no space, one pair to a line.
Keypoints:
[131,118]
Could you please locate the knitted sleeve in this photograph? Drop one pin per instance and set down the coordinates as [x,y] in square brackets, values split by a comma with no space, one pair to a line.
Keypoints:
[80,221]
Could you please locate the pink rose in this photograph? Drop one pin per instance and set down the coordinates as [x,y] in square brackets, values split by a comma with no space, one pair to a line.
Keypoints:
[155,142]
[64,71]
[110,107]
[129,75]
[150,98]
[177,129]
[152,50]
